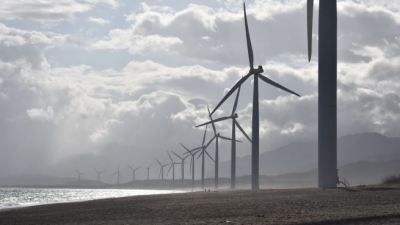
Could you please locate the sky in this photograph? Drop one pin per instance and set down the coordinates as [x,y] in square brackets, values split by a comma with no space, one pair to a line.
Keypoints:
[127,80]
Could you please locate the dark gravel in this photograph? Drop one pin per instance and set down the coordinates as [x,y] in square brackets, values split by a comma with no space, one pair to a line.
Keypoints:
[373,205]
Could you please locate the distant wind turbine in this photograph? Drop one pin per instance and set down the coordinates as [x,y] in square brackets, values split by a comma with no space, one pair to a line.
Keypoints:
[327,89]
[217,137]
[79,176]
[98,175]
[193,153]
[173,169]
[118,174]
[148,170]
[134,172]
[162,172]
[235,123]
[182,167]
[203,150]
[255,123]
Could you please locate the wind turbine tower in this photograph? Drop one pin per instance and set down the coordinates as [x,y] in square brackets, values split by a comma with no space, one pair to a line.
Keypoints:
[173,169]
[327,88]
[134,172]
[182,167]
[118,175]
[255,153]
[162,172]
[79,176]
[98,175]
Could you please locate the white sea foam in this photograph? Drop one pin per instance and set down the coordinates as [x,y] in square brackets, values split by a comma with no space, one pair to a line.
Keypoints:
[22,197]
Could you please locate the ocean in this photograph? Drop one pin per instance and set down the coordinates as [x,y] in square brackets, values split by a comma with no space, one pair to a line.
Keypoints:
[22,197]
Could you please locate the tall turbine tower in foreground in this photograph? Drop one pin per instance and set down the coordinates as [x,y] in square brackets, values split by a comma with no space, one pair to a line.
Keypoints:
[255,123]
[327,86]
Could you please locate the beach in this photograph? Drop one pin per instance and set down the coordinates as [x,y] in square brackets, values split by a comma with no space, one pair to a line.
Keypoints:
[370,205]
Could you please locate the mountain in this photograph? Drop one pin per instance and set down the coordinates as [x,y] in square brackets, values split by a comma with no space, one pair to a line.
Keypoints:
[303,156]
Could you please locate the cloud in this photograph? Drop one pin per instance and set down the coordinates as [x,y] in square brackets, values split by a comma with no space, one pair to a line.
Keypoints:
[99,21]
[41,114]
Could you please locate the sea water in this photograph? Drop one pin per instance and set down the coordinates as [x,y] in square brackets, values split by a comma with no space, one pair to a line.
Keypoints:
[21,197]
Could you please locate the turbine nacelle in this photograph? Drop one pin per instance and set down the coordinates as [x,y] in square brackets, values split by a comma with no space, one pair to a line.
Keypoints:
[256,71]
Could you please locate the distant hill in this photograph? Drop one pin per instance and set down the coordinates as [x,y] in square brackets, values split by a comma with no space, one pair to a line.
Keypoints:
[299,157]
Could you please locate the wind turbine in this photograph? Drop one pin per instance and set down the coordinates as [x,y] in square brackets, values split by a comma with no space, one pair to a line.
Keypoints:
[217,137]
[118,174]
[134,172]
[255,123]
[233,116]
[203,149]
[148,171]
[79,176]
[182,167]
[98,175]
[327,87]
[193,153]
[173,169]
[162,172]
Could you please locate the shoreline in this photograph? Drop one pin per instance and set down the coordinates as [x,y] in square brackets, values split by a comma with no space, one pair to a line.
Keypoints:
[139,192]
[370,205]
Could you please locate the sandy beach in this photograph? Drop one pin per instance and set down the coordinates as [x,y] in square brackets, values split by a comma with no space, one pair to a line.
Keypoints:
[372,205]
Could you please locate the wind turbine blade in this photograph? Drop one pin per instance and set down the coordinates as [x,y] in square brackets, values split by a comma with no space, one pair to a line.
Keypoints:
[228,139]
[204,137]
[240,82]
[214,121]
[95,170]
[249,47]
[114,173]
[241,129]
[209,156]
[236,101]
[212,139]
[273,83]
[137,168]
[151,164]
[202,152]
[170,168]
[76,171]
[170,157]
[185,157]
[310,12]
[213,125]
[130,167]
[176,155]
[158,161]
[185,148]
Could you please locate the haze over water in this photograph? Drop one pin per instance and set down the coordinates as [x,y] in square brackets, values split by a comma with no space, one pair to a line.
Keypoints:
[21,197]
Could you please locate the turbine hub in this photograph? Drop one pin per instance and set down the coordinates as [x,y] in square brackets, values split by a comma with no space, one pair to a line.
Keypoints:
[236,115]
[258,70]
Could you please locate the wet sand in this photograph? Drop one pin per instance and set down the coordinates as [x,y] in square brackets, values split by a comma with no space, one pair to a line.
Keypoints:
[373,205]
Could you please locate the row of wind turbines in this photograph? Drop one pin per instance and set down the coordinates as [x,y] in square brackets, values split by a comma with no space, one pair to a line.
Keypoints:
[327,121]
